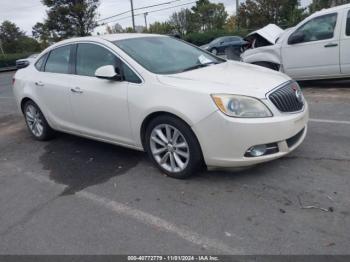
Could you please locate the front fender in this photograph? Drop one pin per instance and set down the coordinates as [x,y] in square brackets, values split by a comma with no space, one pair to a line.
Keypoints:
[263,54]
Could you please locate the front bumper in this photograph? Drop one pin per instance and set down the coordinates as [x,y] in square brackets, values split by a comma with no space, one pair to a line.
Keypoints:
[224,140]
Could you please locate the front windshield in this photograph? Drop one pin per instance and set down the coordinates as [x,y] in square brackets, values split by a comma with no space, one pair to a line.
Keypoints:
[166,55]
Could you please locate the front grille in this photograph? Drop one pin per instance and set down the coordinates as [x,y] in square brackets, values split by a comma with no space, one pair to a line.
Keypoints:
[294,139]
[286,98]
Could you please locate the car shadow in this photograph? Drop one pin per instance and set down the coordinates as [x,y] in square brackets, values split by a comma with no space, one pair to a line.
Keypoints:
[344,83]
[79,163]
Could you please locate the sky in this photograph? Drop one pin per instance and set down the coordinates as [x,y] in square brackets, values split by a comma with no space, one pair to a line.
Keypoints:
[26,13]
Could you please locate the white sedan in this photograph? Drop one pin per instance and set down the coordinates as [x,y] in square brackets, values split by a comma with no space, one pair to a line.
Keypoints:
[184,106]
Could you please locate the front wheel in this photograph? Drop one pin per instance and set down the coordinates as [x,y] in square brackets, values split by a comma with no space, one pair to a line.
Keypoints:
[173,147]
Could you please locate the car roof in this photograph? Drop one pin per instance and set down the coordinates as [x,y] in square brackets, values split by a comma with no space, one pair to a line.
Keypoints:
[107,37]
[332,9]
[123,36]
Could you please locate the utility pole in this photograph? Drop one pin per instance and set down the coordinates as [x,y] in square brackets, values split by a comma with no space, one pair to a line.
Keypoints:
[145,15]
[132,15]
[237,13]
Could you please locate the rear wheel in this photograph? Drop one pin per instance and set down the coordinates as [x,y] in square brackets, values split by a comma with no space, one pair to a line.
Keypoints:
[173,147]
[36,122]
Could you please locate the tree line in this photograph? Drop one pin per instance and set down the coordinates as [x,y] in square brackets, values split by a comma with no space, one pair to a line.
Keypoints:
[205,20]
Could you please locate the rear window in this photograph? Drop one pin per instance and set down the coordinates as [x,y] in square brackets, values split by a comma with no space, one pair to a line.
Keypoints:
[348,24]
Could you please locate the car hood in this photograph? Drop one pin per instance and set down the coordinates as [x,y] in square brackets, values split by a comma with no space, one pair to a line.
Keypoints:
[229,77]
[270,32]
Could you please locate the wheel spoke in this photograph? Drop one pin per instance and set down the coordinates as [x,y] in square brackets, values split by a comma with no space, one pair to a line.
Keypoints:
[159,151]
[178,161]
[168,133]
[164,158]
[175,136]
[158,141]
[30,117]
[161,136]
[172,162]
[35,129]
[181,145]
[182,153]
[40,128]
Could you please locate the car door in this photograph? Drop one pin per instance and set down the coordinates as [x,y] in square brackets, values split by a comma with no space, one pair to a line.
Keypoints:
[52,84]
[345,45]
[100,106]
[223,44]
[316,54]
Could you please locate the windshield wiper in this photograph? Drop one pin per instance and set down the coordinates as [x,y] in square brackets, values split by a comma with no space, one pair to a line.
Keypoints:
[199,66]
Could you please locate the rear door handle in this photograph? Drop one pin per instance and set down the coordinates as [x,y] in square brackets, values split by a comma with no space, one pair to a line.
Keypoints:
[77,90]
[331,45]
[39,83]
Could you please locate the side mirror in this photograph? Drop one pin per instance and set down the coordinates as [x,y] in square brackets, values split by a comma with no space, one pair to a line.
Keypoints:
[296,38]
[108,72]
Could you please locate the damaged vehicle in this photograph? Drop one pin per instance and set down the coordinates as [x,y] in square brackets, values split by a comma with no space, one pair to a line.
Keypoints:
[185,107]
[317,48]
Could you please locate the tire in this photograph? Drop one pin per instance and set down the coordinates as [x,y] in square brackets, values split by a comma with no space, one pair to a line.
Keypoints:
[178,142]
[214,51]
[268,65]
[36,122]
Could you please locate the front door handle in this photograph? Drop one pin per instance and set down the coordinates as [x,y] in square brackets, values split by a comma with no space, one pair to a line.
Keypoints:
[331,45]
[77,90]
[39,83]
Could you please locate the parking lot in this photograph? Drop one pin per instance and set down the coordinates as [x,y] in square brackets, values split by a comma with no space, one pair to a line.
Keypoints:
[77,196]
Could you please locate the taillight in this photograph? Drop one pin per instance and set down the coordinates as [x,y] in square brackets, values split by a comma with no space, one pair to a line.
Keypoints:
[13,81]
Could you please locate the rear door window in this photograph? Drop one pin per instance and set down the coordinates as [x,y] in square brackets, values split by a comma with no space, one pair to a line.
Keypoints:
[58,61]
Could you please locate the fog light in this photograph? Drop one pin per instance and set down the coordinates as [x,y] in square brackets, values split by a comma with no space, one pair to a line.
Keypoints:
[256,151]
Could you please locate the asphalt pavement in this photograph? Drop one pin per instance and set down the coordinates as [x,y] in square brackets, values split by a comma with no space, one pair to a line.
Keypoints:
[76,196]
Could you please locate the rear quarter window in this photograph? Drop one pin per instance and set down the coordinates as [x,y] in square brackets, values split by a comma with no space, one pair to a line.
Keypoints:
[39,65]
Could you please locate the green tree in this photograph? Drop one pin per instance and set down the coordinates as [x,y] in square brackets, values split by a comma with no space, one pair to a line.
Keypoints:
[67,18]
[160,28]
[258,13]
[14,40]
[231,24]
[182,21]
[10,36]
[209,16]
[317,5]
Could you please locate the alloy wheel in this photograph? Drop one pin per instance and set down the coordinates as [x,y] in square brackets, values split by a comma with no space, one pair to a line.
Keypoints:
[169,148]
[34,120]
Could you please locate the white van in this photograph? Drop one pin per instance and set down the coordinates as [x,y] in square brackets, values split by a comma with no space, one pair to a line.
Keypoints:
[317,48]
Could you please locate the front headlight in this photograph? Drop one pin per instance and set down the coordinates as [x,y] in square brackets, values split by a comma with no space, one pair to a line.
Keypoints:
[241,106]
